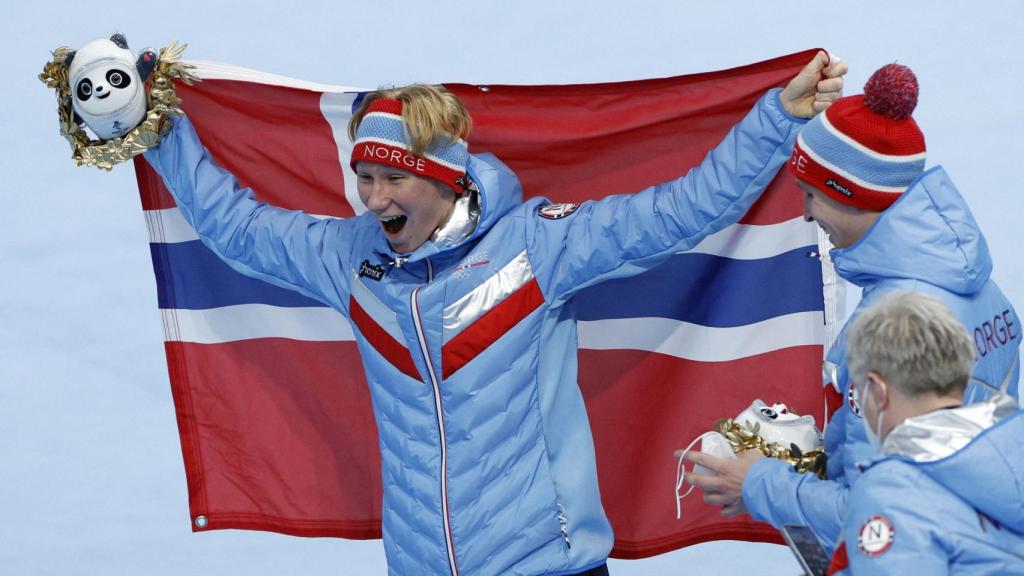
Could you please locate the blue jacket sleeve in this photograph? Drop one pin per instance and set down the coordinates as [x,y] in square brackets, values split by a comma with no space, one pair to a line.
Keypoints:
[891,502]
[287,248]
[774,492]
[624,235]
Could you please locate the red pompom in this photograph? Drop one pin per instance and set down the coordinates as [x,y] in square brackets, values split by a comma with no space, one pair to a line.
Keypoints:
[892,91]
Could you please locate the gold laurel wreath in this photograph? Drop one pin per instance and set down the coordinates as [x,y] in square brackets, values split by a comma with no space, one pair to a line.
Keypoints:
[742,438]
[160,102]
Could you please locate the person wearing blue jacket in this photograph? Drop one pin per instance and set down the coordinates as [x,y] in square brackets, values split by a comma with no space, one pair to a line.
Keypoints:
[944,493]
[457,291]
[895,227]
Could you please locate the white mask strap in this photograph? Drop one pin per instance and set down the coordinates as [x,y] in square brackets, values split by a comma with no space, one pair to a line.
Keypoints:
[680,474]
[878,427]
[883,388]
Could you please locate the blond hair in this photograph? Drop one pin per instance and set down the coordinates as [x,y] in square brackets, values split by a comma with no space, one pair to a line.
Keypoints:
[429,112]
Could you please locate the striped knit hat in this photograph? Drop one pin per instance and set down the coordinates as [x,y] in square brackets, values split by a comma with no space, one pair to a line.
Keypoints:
[382,138]
[865,150]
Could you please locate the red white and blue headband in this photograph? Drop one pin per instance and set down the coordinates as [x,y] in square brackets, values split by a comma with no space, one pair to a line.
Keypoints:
[383,139]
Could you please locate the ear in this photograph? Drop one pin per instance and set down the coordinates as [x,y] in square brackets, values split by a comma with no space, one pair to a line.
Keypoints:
[119,39]
[879,391]
[145,63]
[69,57]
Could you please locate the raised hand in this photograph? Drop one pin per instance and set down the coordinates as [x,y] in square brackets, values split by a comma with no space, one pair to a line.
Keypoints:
[815,87]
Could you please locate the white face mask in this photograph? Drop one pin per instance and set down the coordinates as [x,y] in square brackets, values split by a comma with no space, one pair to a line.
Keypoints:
[774,423]
[711,443]
[874,436]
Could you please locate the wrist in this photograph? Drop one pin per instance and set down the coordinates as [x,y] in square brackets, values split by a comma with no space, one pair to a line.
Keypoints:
[788,108]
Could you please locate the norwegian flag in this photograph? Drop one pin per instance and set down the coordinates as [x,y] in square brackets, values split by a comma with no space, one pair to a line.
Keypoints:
[273,411]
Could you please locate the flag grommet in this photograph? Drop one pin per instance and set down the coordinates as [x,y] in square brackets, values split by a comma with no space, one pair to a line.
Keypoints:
[201,521]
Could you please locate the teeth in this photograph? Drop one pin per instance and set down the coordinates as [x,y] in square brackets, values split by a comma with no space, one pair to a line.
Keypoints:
[392,224]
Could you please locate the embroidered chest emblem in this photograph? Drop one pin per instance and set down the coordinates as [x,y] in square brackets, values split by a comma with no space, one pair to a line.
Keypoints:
[466,267]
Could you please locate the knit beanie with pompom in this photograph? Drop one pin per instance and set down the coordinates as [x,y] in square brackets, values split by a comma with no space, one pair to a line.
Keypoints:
[865,150]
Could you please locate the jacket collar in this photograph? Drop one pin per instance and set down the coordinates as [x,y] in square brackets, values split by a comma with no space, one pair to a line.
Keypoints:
[941,433]
[928,234]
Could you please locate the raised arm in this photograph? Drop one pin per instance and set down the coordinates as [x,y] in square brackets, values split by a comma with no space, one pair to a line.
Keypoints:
[624,235]
[287,248]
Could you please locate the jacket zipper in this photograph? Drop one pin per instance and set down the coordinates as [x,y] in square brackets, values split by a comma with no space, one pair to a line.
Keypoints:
[422,339]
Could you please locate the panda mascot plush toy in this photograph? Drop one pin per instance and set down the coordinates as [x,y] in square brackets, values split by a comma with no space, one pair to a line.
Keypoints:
[108,85]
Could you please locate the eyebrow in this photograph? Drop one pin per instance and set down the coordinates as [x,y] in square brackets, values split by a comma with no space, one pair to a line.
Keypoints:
[387,172]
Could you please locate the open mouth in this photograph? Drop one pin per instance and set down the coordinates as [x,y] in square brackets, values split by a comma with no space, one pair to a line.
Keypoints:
[393,224]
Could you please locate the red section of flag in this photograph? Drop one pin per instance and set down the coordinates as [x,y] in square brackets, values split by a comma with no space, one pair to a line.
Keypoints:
[572,143]
[488,328]
[273,139]
[644,406]
[271,429]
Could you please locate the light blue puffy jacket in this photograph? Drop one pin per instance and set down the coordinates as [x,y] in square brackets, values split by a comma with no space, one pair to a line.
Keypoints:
[470,349]
[929,242]
[929,509]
